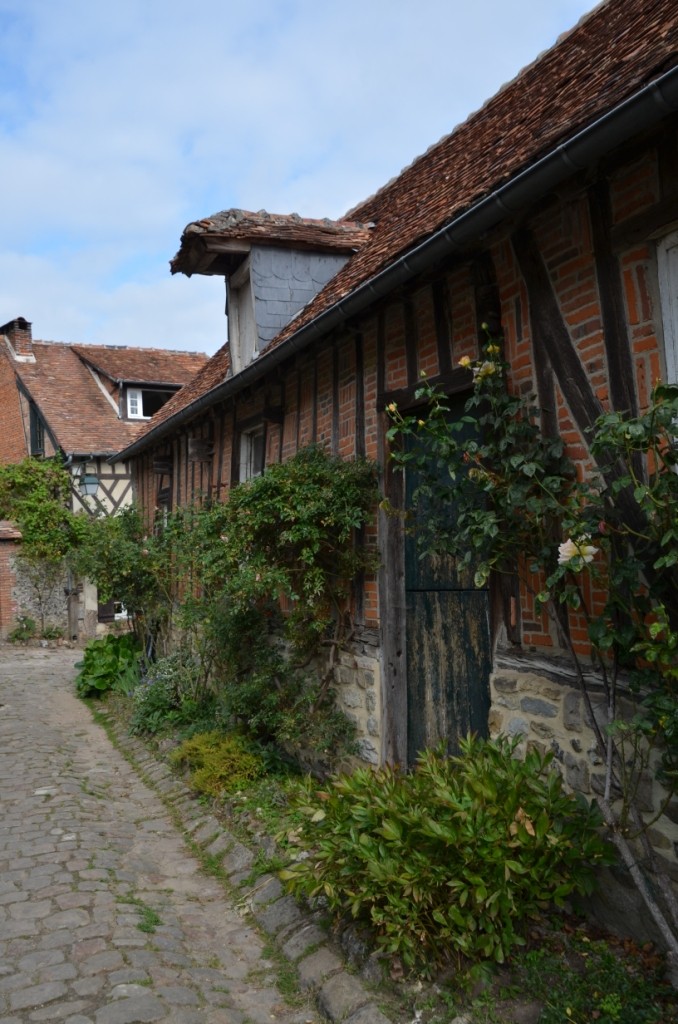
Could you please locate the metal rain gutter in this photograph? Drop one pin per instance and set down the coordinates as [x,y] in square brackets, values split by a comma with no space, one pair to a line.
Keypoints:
[640,111]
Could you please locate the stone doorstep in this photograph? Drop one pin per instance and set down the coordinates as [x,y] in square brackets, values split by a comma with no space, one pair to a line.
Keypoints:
[340,995]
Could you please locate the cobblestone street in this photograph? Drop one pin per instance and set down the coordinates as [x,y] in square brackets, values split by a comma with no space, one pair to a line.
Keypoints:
[105,916]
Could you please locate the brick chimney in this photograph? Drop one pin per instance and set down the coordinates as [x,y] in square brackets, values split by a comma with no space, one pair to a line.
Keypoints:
[18,333]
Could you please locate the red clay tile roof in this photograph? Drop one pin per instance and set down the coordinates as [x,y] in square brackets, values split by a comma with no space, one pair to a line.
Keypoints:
[8,531]
[612,52]
[143,365]
[79,416]
[212,374]
[265,228]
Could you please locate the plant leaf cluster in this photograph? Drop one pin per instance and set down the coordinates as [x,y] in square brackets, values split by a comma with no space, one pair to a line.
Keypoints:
[108,663]
[218,763]
[599,548]
[253,593]
[36,495]
[453,858]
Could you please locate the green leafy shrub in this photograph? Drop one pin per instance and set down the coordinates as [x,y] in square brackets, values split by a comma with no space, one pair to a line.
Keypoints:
[273,700]
[451,859]
[25,629]
[167,696]
[288,536]
[51,632]
[218,762]
[108,663]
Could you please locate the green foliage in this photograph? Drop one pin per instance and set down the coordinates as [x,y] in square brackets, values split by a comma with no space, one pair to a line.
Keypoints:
[212,579]
[290,535]
[124,562]
[26,629]
[451,859]
[583,979]
[523,510]
[108,663]
[291,532]
[170,695]
[35,494]
[218,762]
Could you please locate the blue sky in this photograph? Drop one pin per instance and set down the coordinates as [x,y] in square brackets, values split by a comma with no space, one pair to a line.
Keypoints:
[120,123]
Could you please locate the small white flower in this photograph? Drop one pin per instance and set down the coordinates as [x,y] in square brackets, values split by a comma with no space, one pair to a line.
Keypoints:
[576,549]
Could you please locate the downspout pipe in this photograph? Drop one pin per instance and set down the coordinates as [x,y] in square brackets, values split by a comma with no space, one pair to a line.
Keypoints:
[639,112]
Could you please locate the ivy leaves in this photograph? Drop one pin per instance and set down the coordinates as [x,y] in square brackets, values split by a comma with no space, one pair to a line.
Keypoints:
[35,494]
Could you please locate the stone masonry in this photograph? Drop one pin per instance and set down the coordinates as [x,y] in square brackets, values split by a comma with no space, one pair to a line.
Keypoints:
[550,715]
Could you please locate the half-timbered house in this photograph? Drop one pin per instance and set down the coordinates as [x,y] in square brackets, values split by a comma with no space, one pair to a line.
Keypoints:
[83,403]
[552,215]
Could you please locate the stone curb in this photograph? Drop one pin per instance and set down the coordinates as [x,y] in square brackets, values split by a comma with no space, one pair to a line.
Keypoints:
[340,996]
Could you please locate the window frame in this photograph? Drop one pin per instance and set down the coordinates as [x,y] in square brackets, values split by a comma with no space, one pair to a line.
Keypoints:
[242,324]
[37,431]
[136,395]
[251,462]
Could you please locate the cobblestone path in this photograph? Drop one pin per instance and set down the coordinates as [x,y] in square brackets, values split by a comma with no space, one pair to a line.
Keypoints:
[105,917]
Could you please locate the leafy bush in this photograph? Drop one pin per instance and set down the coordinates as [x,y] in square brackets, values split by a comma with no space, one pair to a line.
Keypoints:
[108,663]
[51,632]
[287,536]
[452,858]
[272,699]
[167,696]
[218,762]
[25,629]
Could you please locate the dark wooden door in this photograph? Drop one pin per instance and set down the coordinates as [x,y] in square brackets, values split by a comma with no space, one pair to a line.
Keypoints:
[448,645]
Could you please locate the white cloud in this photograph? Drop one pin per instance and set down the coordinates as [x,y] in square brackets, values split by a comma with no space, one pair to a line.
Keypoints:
[119,123]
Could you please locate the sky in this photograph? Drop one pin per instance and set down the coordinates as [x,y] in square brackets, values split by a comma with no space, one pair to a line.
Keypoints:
[122,122]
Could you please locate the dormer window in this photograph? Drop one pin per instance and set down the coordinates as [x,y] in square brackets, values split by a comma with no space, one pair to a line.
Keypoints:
[142,403]
[242,326]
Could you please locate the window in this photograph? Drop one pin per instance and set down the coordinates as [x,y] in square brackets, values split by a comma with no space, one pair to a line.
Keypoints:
[142,403]
[667,265]
[37,428]
[112,611]
[252,453]
[242,327]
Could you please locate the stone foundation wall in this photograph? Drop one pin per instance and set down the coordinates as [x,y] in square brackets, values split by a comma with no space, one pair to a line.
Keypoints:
[27,597]
[358,687]
[548,713]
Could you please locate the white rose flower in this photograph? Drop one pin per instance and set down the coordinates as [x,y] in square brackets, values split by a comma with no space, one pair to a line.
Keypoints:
[579,548]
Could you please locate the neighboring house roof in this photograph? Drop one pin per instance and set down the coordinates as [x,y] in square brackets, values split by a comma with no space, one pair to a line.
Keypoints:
[612,56]
[142,365]
[206,244]
[211,376]
[8,531]
[76,413]
[79,414]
